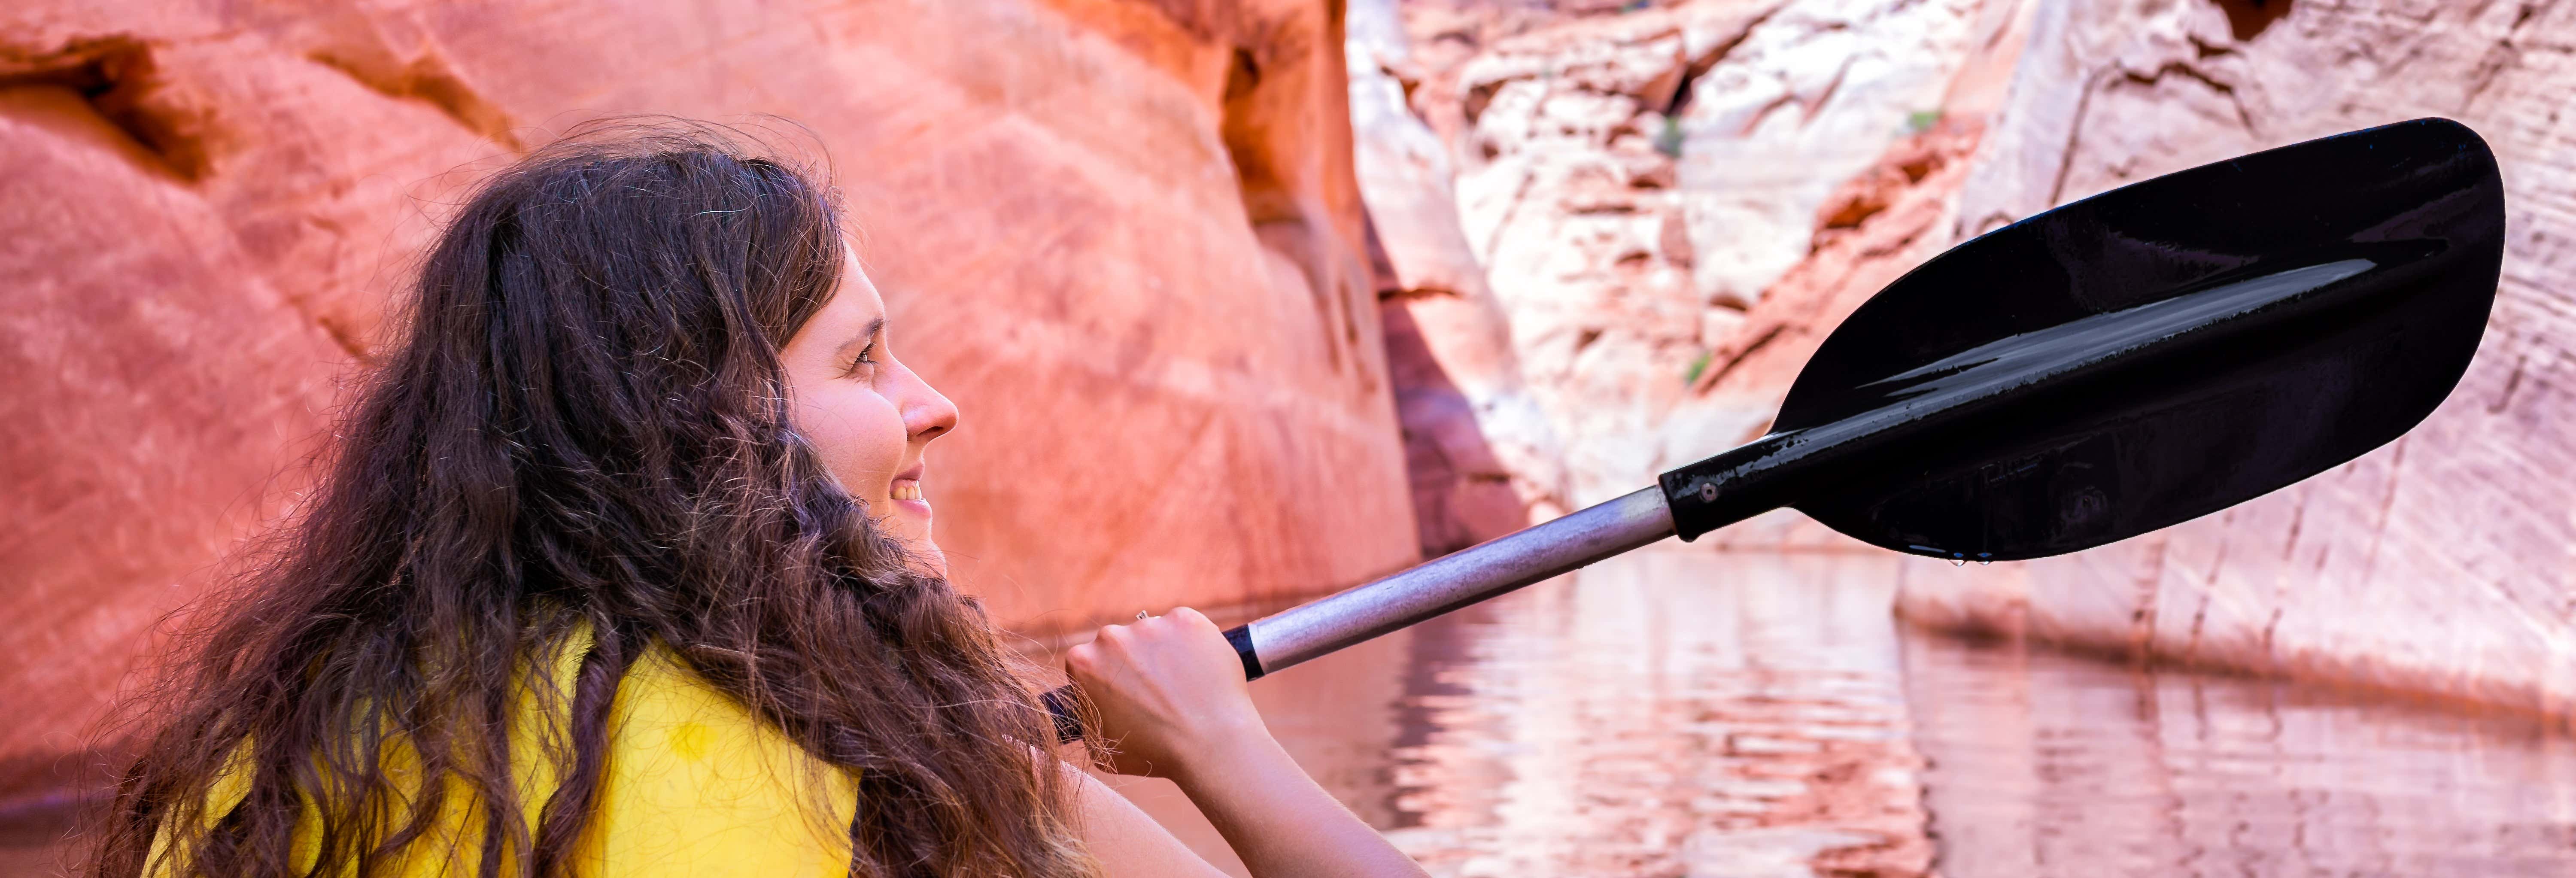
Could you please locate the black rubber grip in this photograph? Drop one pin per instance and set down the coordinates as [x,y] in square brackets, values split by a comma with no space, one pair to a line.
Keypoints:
[1241,637]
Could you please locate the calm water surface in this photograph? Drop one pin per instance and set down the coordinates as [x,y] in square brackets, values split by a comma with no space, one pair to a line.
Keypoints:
[1691,713]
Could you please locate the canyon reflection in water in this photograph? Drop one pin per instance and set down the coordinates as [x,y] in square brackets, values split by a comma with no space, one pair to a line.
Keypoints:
[1686,712]
[1681,712]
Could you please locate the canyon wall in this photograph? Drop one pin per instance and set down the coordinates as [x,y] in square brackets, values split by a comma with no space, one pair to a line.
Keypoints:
[1677,201]
[1483,456]
[1585,139]
[1125,236]
[1574,243]
[2439,563]
[1638,178]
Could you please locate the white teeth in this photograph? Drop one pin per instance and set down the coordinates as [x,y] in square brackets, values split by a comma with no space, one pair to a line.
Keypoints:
[905,491]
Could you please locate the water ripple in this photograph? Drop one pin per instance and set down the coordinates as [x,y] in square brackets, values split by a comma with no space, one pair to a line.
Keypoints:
[1684,712]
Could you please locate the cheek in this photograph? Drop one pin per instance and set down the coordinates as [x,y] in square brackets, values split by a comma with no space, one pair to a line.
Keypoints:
[859,435]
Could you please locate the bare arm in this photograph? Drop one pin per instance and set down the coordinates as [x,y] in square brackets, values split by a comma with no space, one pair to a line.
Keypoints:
[1126,840]
[1173,703]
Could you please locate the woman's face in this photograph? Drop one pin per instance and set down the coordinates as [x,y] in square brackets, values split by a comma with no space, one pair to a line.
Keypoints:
[867,415]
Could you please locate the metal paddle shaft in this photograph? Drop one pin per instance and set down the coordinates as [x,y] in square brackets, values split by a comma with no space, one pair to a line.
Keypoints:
[1451,581]
[2116,365]
[1443,584]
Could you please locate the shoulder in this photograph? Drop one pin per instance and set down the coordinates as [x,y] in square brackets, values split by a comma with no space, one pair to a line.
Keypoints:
[697,783]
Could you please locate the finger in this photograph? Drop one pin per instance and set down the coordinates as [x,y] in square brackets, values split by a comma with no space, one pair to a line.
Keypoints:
[1117,637]
[1083,657]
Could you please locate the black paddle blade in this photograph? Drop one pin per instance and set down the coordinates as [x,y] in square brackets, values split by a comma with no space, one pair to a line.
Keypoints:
[2161,351]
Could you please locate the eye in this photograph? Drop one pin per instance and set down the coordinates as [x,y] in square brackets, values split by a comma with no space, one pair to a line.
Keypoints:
[865,358]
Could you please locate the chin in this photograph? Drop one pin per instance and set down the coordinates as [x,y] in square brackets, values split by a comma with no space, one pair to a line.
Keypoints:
[927,558]
[914,533]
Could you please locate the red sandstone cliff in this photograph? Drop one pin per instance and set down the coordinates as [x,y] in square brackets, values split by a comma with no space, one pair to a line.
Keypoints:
[1123,235]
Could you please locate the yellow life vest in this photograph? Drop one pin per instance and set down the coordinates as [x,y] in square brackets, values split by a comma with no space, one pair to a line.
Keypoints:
[695,784]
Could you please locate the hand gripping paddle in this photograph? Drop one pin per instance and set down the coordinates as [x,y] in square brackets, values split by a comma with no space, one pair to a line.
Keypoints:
[2116,365]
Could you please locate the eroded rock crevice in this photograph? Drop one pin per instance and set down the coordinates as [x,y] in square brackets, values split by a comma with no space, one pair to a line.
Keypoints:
[431,79]
[117,78]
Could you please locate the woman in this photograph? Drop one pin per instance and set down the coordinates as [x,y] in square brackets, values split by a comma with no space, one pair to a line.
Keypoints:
[624,567]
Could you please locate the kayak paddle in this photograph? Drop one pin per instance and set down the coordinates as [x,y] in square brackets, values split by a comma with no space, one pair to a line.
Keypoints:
[2126,362]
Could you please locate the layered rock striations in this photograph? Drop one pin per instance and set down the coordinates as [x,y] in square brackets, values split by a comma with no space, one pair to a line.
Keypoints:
[1124,236]
[2439,563]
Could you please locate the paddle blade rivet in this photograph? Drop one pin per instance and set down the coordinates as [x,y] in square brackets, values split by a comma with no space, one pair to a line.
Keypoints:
[1708,492]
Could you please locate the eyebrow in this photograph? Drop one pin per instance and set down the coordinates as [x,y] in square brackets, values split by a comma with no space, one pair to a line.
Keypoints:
[874,327]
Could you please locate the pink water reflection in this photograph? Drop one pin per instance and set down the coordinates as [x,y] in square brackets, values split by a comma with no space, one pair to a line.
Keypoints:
[1690,713]
[1667,713]
[2044,764]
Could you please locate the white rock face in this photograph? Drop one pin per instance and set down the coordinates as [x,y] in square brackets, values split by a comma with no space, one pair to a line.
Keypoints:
[1635,181]
[1566,195]
[1810,97]
[2440,563]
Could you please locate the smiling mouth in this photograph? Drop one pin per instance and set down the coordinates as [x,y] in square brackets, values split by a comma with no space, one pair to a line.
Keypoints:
[906,487]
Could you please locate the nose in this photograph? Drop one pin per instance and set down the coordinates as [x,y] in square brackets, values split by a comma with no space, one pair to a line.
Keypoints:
[927,414]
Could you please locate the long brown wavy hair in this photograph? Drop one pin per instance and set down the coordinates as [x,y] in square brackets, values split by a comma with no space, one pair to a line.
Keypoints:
[585,427]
